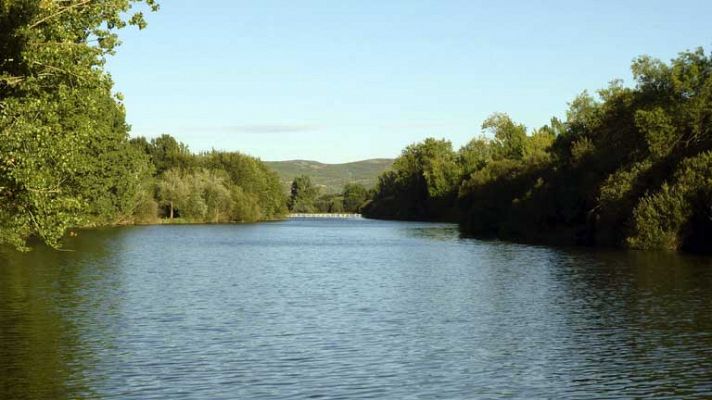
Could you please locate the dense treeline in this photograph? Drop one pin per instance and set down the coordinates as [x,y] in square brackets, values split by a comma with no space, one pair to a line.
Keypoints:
[207,187]
[65,155]
[305,198]
[630,168]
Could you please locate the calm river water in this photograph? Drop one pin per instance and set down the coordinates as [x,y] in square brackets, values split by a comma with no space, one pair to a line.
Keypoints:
[348,309]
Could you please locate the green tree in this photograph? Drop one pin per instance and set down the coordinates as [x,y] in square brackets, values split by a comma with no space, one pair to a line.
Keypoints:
[166,153]
[303,195]
[329,203]
[629,167]
[54,124]
[253,176]
[475,155]
[245,206]
[509,138]
[421,184]
[173,191]
[216,192]
[354,196]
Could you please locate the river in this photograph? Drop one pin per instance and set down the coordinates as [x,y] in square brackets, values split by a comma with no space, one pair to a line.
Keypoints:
[348,309]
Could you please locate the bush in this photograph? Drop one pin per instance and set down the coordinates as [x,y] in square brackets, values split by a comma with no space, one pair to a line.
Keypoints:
[678,215]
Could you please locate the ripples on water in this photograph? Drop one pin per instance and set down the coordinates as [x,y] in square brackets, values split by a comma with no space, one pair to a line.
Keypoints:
[348,309]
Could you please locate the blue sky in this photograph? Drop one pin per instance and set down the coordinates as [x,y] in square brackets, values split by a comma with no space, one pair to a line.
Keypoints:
[339,81]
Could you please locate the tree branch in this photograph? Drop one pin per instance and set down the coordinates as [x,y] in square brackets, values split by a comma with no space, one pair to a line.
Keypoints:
[12,80]
[62,11]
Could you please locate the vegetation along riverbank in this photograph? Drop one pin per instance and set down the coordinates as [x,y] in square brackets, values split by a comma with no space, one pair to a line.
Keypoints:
[65,155]
[630,167]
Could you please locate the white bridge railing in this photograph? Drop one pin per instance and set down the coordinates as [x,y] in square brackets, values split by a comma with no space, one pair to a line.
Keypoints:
[325,215]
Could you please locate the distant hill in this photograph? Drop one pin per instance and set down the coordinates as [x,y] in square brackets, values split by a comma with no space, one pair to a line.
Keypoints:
[331,177]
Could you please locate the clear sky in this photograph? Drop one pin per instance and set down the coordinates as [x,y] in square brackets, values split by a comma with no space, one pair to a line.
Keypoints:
[339,81]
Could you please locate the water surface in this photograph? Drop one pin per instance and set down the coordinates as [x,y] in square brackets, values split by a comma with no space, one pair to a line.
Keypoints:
[348,309]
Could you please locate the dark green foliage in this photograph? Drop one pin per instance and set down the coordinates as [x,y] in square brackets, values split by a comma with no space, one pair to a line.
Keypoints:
[509,138]
[421,184]
[305,198]
[354,196]
[632,168]
[475,155]
[165,152]
[329,203]
[303,195]
[678,215]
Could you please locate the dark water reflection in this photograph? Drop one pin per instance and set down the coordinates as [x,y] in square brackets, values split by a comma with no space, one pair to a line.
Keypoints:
[349,309]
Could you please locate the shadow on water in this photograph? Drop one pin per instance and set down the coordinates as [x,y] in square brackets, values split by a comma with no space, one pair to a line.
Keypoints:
[641,319]
[654,291]
[44,313]
[433,231]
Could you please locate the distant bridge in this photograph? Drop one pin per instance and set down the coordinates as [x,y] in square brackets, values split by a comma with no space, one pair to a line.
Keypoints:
[326,215]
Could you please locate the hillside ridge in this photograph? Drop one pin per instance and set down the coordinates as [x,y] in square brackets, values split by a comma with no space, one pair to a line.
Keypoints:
[331,177]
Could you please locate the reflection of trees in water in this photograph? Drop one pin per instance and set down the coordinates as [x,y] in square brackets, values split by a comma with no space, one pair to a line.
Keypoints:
[636,289]
[433,231]
[668,291]
[44,308]
[636,316]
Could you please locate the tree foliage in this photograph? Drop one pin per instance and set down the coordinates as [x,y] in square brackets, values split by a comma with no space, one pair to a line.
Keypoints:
[303,195]
[630,167]
[353,197]
[253,176]
[64,155]
[214,187]
[421,184]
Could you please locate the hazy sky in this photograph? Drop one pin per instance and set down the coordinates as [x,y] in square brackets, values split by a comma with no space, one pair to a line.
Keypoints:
[338,81]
